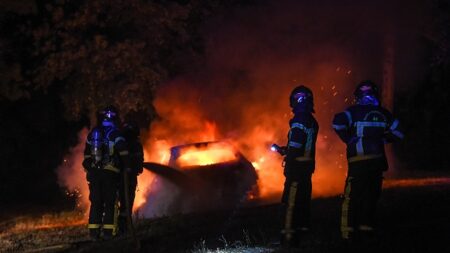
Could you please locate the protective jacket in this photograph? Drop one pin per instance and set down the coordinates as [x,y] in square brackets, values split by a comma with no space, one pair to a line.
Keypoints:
[112,147]
[301,147]
[105,155]
[365,129]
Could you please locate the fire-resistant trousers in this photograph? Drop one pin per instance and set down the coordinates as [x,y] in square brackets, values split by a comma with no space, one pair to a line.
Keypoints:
[103,186]
[132,183]
[297,204]
[361,194]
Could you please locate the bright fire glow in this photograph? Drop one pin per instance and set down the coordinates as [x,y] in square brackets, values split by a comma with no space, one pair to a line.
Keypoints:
[212,154]
[65,219]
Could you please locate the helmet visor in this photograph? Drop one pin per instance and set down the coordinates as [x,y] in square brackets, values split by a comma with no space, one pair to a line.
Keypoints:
[300,97]
[110,114]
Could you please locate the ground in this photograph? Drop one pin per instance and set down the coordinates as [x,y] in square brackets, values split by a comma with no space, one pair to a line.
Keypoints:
[411,219]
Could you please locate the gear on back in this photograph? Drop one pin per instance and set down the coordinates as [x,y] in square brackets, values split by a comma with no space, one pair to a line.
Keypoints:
[97,145]
[102,146]
[102,139]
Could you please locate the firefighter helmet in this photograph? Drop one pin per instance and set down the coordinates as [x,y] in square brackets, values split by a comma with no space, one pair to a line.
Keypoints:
[110,115]
[302,96]
[367,93]
[131,130]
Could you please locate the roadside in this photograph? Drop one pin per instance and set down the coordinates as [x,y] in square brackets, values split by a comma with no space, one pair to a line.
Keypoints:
[411,219]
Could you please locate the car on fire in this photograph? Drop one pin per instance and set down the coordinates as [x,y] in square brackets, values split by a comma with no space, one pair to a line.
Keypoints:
[209,175]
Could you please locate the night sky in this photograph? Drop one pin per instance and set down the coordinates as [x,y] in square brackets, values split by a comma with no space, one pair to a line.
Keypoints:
[232,64]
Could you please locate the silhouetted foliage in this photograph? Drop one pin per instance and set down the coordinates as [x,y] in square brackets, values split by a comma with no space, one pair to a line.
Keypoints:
[426,110]
[62,60]
[98,52]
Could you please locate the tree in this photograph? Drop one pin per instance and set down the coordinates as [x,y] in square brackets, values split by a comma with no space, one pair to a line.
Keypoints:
[426,112]
[100,52]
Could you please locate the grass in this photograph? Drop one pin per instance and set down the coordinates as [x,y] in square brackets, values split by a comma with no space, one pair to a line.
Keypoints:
[411,219]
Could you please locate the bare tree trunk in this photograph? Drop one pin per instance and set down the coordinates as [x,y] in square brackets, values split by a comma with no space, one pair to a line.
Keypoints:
[388,71]
[388,88]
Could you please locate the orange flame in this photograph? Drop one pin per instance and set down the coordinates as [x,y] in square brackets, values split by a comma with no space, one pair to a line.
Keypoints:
[183,120]
[213,153]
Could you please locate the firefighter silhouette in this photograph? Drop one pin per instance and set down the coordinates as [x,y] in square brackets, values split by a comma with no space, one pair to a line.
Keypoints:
[127,189]
[105,154]
[365,128]
[299,166]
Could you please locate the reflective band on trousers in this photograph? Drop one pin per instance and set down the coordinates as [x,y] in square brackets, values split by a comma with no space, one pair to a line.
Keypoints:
[288,231]
[111,168]
[116,217]
[93,226]
[109,226]
[363,157]
[345,229]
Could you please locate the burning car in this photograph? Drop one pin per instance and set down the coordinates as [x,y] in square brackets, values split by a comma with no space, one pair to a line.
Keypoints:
[208,175]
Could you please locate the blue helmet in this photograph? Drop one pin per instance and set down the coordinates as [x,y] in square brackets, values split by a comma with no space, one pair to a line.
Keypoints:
[302,96]
[109,116]
[367,93]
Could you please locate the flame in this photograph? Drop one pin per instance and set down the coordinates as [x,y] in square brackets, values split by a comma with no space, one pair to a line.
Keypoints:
[184,119]
[212,154]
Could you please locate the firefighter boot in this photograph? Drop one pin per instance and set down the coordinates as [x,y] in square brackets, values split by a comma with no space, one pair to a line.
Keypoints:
[109,231]
[289,240]
[121,225]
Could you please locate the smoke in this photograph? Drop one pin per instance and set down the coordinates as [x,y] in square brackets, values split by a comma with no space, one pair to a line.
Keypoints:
[71,174]
[256,54]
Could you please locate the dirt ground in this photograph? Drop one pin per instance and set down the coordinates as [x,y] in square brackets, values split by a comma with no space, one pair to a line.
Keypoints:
[411,219]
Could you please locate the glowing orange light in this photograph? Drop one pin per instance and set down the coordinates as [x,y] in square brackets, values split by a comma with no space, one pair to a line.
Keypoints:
[214,153]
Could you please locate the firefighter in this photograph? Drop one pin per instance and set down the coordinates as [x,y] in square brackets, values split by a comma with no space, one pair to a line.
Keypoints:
[128,185]
[365,127]
[104,154]
[299,166]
